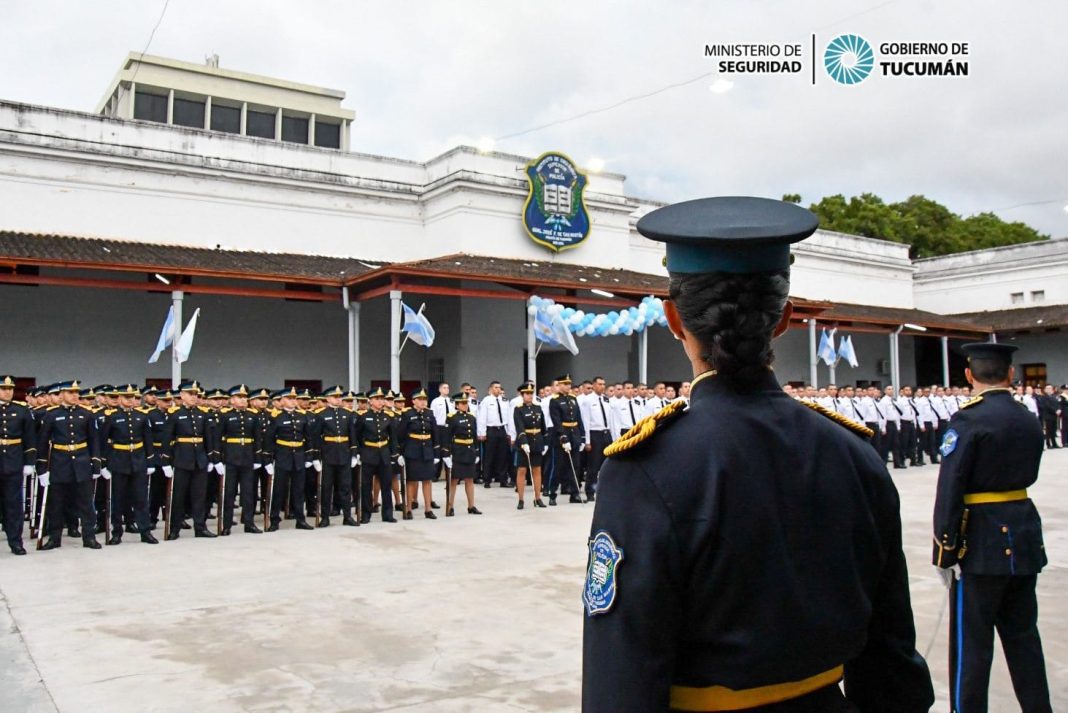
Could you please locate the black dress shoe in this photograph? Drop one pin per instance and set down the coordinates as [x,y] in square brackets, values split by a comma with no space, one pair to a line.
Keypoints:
[335,512]
[590,497]
[303,525]
[451,512]
[273,527]
[429,515]
[473,511]
[172,536]
[434,505]
[552,500]
[205,533]
[131,529]
[539,503]
[253,530]
[376,507]
[350,522]
[52,544]
[149,539]
[408,515]
[575,498]
[73,532]
[389,519]
[364,519]
[18,549]
[488,484]
[226,532]
[289,516]
[325,522]
[519,505]
[509,484]
[116,539]
[91,544]
[186,525]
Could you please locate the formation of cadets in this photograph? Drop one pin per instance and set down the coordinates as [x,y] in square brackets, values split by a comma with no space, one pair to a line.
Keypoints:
[118,460]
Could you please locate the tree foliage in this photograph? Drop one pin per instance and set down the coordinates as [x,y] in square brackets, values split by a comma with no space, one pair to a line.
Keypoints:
[926,225]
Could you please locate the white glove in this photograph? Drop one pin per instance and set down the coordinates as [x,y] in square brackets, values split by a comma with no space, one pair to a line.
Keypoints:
[566,446]
[525,448]
[949,574]
[168,471]
[400,459]
[97,475]
[220,468]
[318,465]
[355,461]
[27,471]
[544,450]
[105,473]
[307,464]
[42,480]
[436,461]
[269,468]
[448,462]
[477,459]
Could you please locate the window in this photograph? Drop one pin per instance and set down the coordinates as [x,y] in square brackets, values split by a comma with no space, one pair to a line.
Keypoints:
[150,107]
[313,385]
[435,367]
[328,135]
[259,123]
[294,129]
[188,112]
[1038,295]
[1034,374]
[1017,298]
[225,118]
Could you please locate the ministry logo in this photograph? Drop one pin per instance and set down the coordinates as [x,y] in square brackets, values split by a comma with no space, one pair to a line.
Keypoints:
[849,59]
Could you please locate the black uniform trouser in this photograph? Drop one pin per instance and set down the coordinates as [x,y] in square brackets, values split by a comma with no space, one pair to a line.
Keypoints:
[599,440]
[979,604]
[384,470]
[1050,426]
[496,456]
[564,477]
[245,476]
[909,443]
[292,482]
[157,493]
[341,477]
[128,490]
[191,485]
[894,443]
[931,441]
[11,491]
[876,440]
[67,502]
[100,504]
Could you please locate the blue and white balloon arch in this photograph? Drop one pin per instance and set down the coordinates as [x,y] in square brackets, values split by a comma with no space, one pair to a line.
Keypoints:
[587,324]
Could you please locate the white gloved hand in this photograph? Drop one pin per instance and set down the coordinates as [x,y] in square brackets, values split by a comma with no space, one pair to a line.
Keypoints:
[448,462]
[168,471]
[355,461]
[105,473]
[27,471]
[526,448]
[42,480]
[477,459]
[307,464]
[949,574]
[400,459]
[544,450]
[220,468]
[269,468]
[436,461]
[97,475]
[318,465]
[566,446]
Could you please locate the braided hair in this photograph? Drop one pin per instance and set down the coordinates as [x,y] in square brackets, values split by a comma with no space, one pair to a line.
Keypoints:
[732,316]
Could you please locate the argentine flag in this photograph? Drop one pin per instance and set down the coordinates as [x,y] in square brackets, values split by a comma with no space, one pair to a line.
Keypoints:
[826,350]
[166,337]
[417,326]
[845,351]
[550,328]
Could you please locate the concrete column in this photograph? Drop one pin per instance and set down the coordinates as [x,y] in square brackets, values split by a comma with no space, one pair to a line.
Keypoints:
[207,113]
[170,106]
[311,130]
[244,119]
[344,135]
[532,348]
[176,366]
[643,356]
[278,124]
[394,338]
[945,361]
[813,359]
[133,99]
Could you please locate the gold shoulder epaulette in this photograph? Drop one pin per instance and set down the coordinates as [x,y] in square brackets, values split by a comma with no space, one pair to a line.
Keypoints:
[226,409]
[204,409]
[556,396]
[253,410]
[644,429]
[973,401]
[172,409]
[51,408]
[274,412]
[319,410]
[19,403]
[143,409]
[109,411]
[300,410]
[840,419]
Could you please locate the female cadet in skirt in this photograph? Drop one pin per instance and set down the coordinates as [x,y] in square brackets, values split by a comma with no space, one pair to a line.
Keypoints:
[460,454]
[531,444]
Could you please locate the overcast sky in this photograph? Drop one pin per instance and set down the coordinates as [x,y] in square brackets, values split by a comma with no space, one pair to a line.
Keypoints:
[423,77]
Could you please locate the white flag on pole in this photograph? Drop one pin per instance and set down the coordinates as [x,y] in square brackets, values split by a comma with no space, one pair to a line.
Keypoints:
[185,342]
[166,337]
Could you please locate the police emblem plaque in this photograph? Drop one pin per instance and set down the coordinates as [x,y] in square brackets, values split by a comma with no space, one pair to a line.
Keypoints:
[555,213]
[601,574]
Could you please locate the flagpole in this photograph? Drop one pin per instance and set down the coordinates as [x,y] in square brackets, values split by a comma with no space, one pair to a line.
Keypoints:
[407,335]
[532,347]
[394,340]
[176,366]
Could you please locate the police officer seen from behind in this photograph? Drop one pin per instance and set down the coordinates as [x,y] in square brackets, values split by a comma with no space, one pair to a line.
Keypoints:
[988,533]
[745,553]
[18,452]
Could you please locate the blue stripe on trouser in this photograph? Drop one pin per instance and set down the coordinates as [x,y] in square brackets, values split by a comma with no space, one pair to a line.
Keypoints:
[960,641]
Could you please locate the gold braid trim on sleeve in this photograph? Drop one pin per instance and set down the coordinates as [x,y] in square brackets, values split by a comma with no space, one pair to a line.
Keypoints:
[839,418]
[644,429]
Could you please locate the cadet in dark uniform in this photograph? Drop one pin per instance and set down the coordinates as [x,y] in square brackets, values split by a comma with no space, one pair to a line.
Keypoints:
[567,439]
[987,529]
[745,552]
[374,433]
[336,433]
[66,452]
[240,443]
[417,444]
[460,453]
[260,400]
[125,440]
[530,444]
[18,453]
[158,404]
[188,447]
[288,451]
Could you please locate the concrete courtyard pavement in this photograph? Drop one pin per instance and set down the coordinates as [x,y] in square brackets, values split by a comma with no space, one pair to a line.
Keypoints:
[462,614]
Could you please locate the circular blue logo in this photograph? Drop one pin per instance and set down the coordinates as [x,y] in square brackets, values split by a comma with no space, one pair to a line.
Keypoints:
[849,59]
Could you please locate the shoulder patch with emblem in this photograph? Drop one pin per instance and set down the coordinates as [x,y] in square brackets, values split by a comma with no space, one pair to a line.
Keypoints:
[838,418]
[949,442]
[644,429]
[602,574]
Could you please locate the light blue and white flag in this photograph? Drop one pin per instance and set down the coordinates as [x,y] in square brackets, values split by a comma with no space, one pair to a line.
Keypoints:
[551,329]
[826,348]
[417,326]
[166,337]
[185,342]
[845,351]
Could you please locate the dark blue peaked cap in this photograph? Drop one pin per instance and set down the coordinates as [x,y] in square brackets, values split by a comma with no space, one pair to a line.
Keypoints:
[989,350]
[736,234]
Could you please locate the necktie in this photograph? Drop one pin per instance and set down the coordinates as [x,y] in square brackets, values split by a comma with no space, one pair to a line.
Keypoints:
[500,415]
[604,417]
[633,420]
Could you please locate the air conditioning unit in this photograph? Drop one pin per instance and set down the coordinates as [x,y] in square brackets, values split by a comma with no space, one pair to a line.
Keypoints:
[883,366]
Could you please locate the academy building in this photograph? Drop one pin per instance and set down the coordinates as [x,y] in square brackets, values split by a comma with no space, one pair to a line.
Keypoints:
[247,198]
